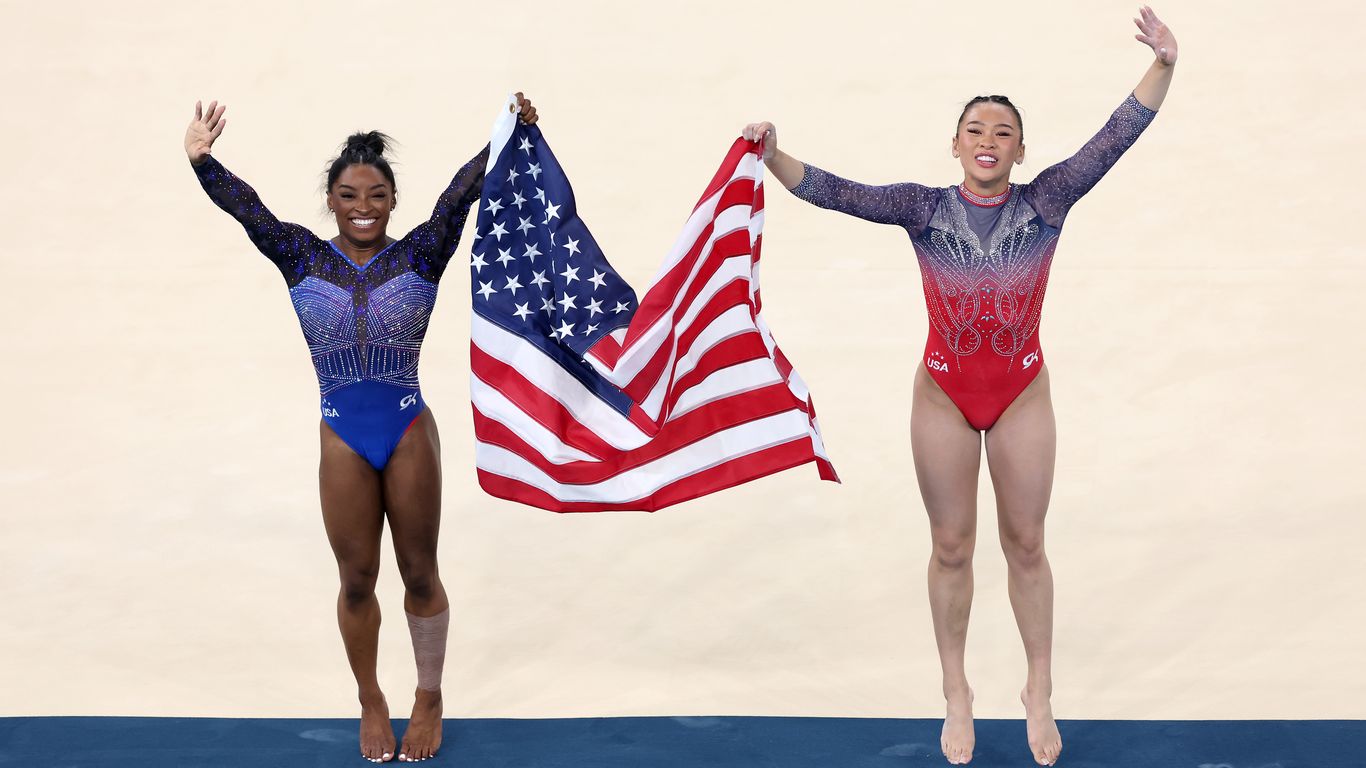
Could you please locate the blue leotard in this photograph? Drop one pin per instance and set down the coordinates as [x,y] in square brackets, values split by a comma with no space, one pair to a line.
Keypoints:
[364,324]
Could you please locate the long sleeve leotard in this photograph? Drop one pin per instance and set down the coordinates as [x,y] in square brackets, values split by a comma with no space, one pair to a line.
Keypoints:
[364,324]
[984,263]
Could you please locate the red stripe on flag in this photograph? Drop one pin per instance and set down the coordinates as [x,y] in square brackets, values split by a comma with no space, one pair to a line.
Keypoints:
[536,404]
[734,472]
[680,433]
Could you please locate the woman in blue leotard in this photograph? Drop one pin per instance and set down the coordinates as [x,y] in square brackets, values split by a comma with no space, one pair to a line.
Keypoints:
[363,301]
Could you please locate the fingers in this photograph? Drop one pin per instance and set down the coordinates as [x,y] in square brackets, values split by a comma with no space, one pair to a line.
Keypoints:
[526,112]
[198,111]
[757,131]
[217,130]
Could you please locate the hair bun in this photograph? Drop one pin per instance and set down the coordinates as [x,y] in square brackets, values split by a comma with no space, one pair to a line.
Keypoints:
[367,143]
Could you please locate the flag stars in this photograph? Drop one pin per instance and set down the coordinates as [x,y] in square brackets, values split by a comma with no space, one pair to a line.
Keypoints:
[486,289]
[589,330]
[540,194]
[477,262]
[498,231]
[572,246]
[504,256]
[531,251]
[495,205]
[566,303]
[513,284]
[570,274]
[551,212]
[535,170]
[526,145]
[524,224]
[620,307]
[598,280]
[517,199]
[547,306]
[565,330]
[538,278]
[522,312]
[512,175]
[594,307]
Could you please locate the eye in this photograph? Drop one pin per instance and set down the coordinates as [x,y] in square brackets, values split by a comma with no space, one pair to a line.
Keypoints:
[973,131]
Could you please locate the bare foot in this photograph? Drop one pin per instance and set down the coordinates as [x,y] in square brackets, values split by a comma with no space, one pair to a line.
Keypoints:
[958,737]
[1044,740]
[423,737]
[376,733]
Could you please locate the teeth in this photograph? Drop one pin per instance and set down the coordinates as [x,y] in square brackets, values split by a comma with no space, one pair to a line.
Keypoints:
[986,158]
[362,222]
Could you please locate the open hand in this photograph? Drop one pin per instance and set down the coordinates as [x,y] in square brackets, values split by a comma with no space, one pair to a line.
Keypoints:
[765,132]
[204,129]
[1156,35]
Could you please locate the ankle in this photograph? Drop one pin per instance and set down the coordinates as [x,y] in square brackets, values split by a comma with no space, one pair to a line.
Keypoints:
[371,697]
[956,692]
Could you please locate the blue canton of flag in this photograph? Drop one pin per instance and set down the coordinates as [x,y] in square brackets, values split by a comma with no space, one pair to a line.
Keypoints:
[535,268]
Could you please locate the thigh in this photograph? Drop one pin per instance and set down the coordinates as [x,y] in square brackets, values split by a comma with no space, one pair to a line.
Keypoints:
[412,491]
[948,457]
[1021,453]
[352,503]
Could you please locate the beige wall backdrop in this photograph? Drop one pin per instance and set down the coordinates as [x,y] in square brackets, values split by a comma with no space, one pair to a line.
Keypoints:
[162,551]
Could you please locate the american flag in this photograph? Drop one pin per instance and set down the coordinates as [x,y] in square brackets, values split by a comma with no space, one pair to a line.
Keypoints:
[586,399]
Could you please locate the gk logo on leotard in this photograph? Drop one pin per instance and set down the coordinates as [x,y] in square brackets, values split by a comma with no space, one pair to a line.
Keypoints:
[1031,358]
[407,401]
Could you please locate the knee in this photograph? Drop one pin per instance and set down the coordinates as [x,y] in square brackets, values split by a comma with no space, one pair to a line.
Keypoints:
[953,552]
[1023,548]
[419,577]
[358,583]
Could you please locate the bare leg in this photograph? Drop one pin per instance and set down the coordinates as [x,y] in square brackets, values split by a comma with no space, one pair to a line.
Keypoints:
[412,495]
[353,514]
[1021,449]
[948,455]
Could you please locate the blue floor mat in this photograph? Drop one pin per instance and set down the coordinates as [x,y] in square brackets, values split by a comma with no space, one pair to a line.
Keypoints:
[676,742]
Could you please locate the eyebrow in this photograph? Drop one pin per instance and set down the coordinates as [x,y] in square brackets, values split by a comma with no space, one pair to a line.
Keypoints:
[998,125]
[372,186]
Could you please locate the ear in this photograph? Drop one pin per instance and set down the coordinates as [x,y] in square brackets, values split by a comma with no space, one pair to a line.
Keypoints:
[1019,155]
[954,145]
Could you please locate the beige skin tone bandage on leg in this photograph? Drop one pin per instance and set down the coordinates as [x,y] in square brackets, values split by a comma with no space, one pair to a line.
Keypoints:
[429,647]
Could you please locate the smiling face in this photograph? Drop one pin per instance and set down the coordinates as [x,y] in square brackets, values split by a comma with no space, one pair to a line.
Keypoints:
[362,199]
[988,143]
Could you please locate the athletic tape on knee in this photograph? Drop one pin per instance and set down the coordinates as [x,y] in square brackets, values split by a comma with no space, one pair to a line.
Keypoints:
[429,647]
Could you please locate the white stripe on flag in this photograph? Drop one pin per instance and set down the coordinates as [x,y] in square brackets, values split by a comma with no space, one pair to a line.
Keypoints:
[639,482]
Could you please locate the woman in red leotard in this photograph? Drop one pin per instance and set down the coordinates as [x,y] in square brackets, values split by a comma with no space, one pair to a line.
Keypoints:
[984,247]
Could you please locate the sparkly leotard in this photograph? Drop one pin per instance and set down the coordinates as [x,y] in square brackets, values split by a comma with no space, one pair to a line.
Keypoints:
[984,261]
[364,324]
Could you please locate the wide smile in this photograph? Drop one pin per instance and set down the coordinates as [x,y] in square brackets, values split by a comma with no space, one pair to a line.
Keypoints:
[985,160]
[363,223]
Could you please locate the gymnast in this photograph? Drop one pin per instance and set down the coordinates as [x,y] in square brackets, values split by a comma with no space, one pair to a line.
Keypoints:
[363,301]
[984,248]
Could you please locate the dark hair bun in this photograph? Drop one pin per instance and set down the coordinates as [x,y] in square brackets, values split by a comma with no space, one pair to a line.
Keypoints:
[370,143]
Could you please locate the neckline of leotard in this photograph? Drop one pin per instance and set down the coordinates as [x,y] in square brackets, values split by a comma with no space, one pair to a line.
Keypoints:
[368,262]
[983,202]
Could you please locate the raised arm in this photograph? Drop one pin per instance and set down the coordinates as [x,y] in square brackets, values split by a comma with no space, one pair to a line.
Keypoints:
[436,239]
[281,242]
[906,205]
[1057,188]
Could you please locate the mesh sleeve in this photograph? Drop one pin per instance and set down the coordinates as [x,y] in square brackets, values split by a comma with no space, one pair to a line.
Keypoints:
[283,243]
[906,205]
[1054,191]
[435,240]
